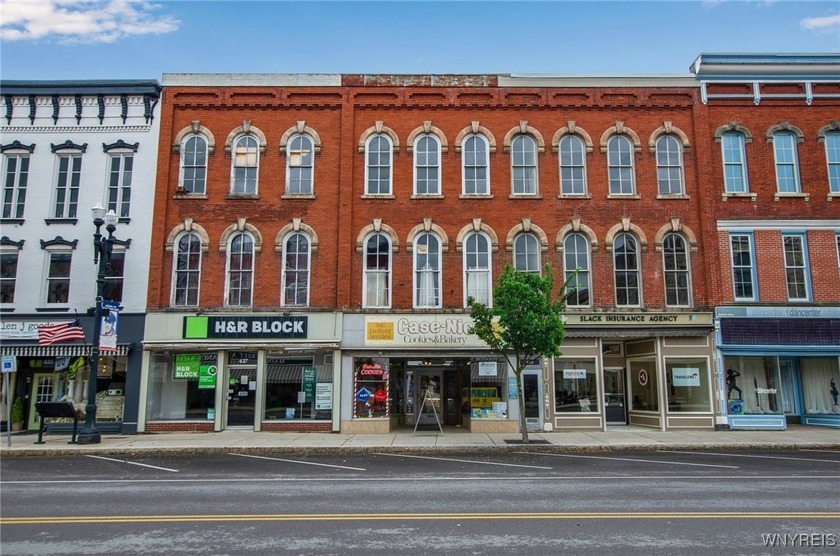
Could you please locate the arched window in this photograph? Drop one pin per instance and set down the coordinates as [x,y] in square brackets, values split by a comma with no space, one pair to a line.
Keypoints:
[300,159]
[626,260]
[194,165]
[240,271]
[427,165]
[378,165]
[477,273]
[523,160]
[246,162]
[620,162]
[572,165]
[187,271]
[296,270]
[669,169]
[377,274]
[677,275]
[526,253]
[734,162]
[427,271]
[787,162]
[476,165]
[576,258]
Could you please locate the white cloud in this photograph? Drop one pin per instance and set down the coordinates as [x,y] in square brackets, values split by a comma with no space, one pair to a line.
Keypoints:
[81,21]
[826,24]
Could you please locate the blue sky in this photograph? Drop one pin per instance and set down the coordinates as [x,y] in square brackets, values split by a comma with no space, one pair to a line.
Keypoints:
[128,39]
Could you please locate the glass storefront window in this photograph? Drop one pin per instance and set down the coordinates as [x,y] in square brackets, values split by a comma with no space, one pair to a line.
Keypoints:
[820,385]
[370,388]
[644,385]
[688,385]
[575,386]
[752,385]
[486,397]
[297,389]
[181,387]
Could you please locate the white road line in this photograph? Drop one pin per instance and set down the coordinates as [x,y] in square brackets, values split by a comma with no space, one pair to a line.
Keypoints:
[634,459]
[134,463]
[823,451]
[298,461]
[751,456]
[464,461]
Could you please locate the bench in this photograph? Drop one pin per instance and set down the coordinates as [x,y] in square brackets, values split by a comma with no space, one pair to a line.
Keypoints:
[48,410]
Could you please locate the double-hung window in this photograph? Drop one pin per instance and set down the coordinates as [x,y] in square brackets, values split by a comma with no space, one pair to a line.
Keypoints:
[194,165]
[627,280]
[187,271]
[620,163]
[734,163]
[114,276]
[576,270]
[300,159]
[526,253]
[677,275]
[377,276]
[246,164]
[474,155]
[427,272]
[787,163]
[743,267]
[523,159]
[121,168]
[796,267]
[572,166]
[669,169]
[427,165]
[477,280]
[15,178]
[8,276]
[58,277]
[68,179]
[296,270]
[240,271]
[378,165]
[832,157]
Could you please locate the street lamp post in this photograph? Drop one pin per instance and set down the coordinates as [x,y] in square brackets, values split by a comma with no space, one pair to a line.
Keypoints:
[102,248]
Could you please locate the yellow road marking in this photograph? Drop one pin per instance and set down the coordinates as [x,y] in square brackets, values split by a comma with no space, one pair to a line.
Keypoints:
[45,520]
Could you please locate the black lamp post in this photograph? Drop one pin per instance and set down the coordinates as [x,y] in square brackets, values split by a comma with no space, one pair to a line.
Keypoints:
[102,248]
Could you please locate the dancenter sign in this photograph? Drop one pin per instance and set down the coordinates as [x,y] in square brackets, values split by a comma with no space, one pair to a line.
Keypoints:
[245,327]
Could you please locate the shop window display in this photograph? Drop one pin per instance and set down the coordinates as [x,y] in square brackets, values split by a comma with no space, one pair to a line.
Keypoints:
[575,386]
[644,385]
[752,385]
[486,396]
[820,385]
[371,389]
[298,389]
[182,387]
[688,385]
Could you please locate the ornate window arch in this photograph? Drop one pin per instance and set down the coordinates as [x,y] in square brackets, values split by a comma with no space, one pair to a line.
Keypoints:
[427,129]
[188,226]
[620,129]
[427,226]
[668,128]
[194,143]
[300,128]
[476,225]
[625,226]
[571,128]
[525,226]
[376,129]
[675,226]
[377,227]
[475,129]
[195,128]
[240,226]
[296,225]
[575,226]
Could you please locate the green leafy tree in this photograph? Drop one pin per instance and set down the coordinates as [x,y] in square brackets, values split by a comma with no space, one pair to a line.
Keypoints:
[524,323]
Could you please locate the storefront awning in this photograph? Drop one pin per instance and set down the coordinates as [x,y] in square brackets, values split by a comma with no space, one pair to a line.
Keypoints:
[618,332]
[70,350]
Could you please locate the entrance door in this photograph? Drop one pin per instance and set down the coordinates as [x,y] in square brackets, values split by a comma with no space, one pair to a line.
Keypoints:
[242,396]
[429,384]
[531,395]
[42,391]
[615,404]
[791,409]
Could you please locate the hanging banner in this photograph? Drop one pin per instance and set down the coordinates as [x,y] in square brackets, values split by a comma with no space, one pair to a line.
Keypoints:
[108,330]
[309,384]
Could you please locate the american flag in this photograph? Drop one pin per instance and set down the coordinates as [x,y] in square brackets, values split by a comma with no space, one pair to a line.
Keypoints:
[64,332]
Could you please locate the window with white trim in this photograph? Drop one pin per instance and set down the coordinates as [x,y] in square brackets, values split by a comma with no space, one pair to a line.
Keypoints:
[620,163]
[245,166]
[68,179]
[743,267]
[15,178]
[476,167]
[378,155]
[832,157]
[626,264]
[523,160]
[240,270]
[300,162]
[526,253]
[296,270]
[787,162]
[669,170]
[796,267]
[578,278]
[477,271]
[675,263]
[377,272]
[427,165]
[121,169]
[735,178]
[572,165]
[187,275]
[114,277]
[8,276]
[194,164]
[427,271]
[58,277]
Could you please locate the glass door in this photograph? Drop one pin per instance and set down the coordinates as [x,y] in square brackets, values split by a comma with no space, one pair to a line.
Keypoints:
[42,391]
[531,396]
[428,398]
[789,405]
[615,404]
[242,396]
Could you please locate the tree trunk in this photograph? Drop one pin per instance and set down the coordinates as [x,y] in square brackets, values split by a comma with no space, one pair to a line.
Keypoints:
[523,425]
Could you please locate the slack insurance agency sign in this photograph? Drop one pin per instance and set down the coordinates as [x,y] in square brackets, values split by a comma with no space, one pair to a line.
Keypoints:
[269,326]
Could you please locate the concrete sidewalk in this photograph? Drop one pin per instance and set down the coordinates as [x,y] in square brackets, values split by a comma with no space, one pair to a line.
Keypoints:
[620,438]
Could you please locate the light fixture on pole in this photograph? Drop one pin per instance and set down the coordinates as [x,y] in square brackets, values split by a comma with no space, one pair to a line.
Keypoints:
[102,249]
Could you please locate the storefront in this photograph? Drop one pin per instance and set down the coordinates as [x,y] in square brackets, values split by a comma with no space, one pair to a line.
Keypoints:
[271,372]
[422,372]
[781,365]
[61,372]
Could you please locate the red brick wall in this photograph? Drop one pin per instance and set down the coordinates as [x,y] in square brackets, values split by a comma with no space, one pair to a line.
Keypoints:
[297,426]
[179,426]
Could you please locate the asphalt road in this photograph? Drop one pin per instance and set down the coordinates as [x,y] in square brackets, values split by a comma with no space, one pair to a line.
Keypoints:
[467,503]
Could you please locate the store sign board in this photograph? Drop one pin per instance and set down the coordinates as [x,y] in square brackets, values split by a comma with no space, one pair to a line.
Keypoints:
[574,374]
[186,366]
[245,327]
[639,319]
[779,312]
[427,331]
[22,330]
[685,377]
[488,368]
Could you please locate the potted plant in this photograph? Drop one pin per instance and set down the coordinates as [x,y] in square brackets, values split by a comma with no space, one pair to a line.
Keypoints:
[17,414]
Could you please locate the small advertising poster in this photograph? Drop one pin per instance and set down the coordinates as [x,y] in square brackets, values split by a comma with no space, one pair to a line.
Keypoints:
[574,374]
[207,376]
[186,366]
[108,330]
[686,377]
[323,395]
[487,368]
[309,383]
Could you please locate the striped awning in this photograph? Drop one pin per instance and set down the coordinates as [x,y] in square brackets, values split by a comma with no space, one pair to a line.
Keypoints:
[68,350]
